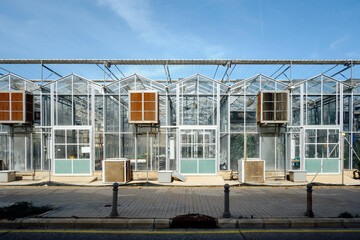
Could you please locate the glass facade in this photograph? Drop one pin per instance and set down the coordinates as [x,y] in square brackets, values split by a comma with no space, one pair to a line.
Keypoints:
[206,125]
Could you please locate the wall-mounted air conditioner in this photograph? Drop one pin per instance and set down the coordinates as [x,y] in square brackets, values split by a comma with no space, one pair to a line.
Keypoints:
[273,107]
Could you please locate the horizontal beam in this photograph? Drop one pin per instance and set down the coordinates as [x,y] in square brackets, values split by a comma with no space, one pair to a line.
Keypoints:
[223,62]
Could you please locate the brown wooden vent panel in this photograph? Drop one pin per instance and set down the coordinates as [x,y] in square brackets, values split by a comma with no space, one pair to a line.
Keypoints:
[273,107]
[144,107]
[16,107]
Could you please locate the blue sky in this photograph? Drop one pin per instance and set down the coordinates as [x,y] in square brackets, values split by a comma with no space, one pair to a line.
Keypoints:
[178,29]
[257,29]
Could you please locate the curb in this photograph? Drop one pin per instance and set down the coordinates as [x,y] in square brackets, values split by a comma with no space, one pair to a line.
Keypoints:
[222,223]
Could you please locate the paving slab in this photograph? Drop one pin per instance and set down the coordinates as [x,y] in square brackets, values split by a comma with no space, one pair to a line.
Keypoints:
[168,202]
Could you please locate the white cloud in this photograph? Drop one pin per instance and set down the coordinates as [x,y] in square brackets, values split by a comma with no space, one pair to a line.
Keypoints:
[139,16]
[334,45]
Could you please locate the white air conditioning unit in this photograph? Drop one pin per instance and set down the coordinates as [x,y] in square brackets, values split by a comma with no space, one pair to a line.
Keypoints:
[273,107]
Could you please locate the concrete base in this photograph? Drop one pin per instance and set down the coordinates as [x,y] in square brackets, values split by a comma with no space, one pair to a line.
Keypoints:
[165,176]
[297,176]
[7,176]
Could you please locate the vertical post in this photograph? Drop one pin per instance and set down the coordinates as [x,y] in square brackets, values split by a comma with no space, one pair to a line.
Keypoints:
[114,212]
[245,153]
[226,213]
[309,212]
[147,156]
[343,159]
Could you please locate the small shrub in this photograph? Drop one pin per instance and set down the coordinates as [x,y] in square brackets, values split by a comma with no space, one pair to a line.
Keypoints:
[21,209]
[345,215]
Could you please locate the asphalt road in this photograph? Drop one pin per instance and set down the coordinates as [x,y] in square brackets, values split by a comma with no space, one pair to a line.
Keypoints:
[73,234]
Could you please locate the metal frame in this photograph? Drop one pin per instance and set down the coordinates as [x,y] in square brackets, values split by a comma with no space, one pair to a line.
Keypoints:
[89,128]
[197,127]
[217,95]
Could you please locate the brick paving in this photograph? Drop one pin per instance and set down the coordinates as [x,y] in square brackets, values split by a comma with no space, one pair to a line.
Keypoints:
[164,202]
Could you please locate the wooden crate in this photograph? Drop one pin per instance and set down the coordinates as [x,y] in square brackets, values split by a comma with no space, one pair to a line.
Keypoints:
[16,107]
[143,107]
[116,170]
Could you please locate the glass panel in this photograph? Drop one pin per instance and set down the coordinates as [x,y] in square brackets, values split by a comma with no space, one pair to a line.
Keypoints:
[312,165]
[209,151]
[310,150]
[237,113]
[207,166]
[224,152]
[313,110]
[314,86]
[356,146]
[59,151]
[329,110]
[84,137]
[331,166]
[64,109]
[81,167]
[356,113]
[321,150]
[236,150]
[84,151]
[63,167]
[80,86]
[112,146]
[310,135]
[189,166]
[59,136]
[321,136]
[250,114]
[333,136]
[72,151]
[19,152]
[268,151]
[296,110]
[334,150]
[280,152]
[64,85]
[252,141]
[200,151]
[81,104]
[71,136]
[4,150]
[36,146]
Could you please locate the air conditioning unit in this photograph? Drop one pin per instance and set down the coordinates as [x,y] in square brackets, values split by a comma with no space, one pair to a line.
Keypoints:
[144,107]
[273,107]
[16,107]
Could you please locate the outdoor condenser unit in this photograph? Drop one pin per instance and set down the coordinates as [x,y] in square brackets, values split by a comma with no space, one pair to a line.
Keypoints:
[251,170]
[273,107]
[116,170]
[144,107]
[16,107]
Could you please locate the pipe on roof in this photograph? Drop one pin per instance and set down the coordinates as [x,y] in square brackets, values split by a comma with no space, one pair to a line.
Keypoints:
[177,61]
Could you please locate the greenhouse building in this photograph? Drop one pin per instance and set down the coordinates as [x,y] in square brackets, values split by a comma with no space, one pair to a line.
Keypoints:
[195,117]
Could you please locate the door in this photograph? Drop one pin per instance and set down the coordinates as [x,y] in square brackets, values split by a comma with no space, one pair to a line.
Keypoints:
[72,153]
[198,151]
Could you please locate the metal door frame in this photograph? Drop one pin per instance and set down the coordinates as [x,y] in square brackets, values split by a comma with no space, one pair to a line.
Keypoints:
[197,127]
[65,127]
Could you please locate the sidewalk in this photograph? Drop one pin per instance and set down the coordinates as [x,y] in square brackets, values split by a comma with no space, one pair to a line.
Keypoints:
[147,207]
[192,181]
